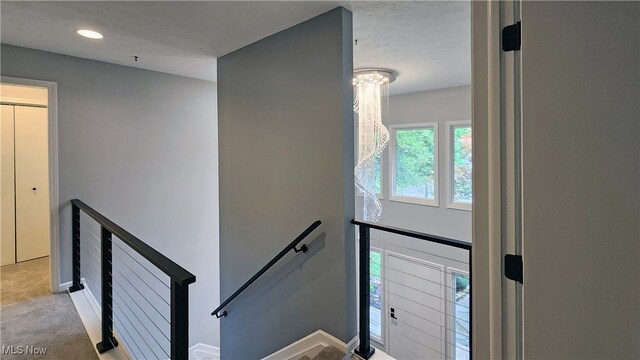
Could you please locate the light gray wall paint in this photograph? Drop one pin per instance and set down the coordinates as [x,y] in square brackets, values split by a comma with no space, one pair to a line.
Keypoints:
[428,106]
[286,159]
[140,147]
[581,158]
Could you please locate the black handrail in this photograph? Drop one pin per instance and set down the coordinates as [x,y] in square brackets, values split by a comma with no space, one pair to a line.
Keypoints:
[180,279]
[365,350]
[415,234]
[281,254]
[173,270]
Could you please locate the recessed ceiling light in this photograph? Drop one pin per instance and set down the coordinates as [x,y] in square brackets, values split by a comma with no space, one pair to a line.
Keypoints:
[90,34]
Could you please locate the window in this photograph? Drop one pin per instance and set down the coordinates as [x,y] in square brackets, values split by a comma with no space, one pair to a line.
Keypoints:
[375,291]
[378,172]
[414,163]
[461,321]
[459,165]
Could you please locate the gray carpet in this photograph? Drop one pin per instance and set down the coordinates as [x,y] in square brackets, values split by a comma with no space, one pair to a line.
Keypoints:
[328,353]
[30,316]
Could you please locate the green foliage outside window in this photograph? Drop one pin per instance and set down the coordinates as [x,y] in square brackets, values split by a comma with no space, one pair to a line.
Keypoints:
[462,164]
[415,163]
[375,276]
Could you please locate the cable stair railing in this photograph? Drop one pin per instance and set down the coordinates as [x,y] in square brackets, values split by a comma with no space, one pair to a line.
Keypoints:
[365,349]
[143,295]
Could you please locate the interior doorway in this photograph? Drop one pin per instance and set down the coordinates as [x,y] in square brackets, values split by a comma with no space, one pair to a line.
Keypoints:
[28,176]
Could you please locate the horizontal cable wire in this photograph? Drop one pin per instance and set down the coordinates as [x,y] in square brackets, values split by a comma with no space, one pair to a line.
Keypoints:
[136,328]
[115,328]
[138,276]
[152,274]
[144,267]
[429,307]
[92,263]
[90,284]
[426,293]
[417,357]
[84,293]
[433,322]
[88,257]
[92,270]
[144,312]
[156,309]
[433,336]
[91,275]
[425,252]
[425,319]
[427,346]
[95,236]
[386,266]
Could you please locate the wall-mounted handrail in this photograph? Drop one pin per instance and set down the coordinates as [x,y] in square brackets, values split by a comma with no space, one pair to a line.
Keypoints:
[163,263]
[180,280]
[281,254]
[365,350]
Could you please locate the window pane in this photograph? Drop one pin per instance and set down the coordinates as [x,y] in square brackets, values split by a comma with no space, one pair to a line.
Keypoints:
[461,317]
[462,164]
[375,287]
[378,171]
[415,161]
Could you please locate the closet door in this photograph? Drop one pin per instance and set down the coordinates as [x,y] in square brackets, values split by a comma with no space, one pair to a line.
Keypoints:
[32,182]
[7,189]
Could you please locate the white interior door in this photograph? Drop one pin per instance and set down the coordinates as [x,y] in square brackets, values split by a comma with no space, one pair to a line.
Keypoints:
[416,309]
[32,182]
[7,193]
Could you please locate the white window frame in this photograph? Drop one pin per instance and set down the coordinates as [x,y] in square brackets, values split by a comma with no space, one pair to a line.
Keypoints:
[380,194]
[451,325]
[451,204]
[392,165]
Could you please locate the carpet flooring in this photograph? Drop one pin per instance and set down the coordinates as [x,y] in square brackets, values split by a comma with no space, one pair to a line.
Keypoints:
[32,319]
[328,353]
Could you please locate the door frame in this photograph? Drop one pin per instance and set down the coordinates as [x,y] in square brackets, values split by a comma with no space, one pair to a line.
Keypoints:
[54,233]
[486,281]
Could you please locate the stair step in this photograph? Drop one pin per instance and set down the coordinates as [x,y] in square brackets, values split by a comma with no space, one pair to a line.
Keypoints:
[328,353]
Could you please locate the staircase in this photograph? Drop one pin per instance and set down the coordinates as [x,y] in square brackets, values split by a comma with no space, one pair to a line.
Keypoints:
[328,353]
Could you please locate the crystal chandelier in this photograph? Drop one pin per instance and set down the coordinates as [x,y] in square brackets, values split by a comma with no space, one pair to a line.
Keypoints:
[371,104]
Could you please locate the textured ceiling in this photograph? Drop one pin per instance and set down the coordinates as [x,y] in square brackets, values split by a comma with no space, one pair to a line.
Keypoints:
[428,43]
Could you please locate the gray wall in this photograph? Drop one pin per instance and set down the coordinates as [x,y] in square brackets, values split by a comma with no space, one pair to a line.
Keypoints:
[581,160]
[140,147]
[286,159]
[428,106]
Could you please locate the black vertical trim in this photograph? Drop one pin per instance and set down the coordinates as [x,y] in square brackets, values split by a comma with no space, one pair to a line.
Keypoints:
[511,39]
[364,349]
[75,231]
[513,267]
[179,321]
[108,341]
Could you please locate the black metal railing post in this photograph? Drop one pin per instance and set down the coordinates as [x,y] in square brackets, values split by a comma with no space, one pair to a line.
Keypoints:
[75,248]
[108,341]
[364,349]
[179,321]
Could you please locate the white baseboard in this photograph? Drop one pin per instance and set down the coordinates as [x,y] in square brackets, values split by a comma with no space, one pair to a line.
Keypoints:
[89,311]
[351,345]
[65,286]
[202,351]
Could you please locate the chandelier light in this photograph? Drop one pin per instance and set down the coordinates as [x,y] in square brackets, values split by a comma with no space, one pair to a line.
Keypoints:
[371,104]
